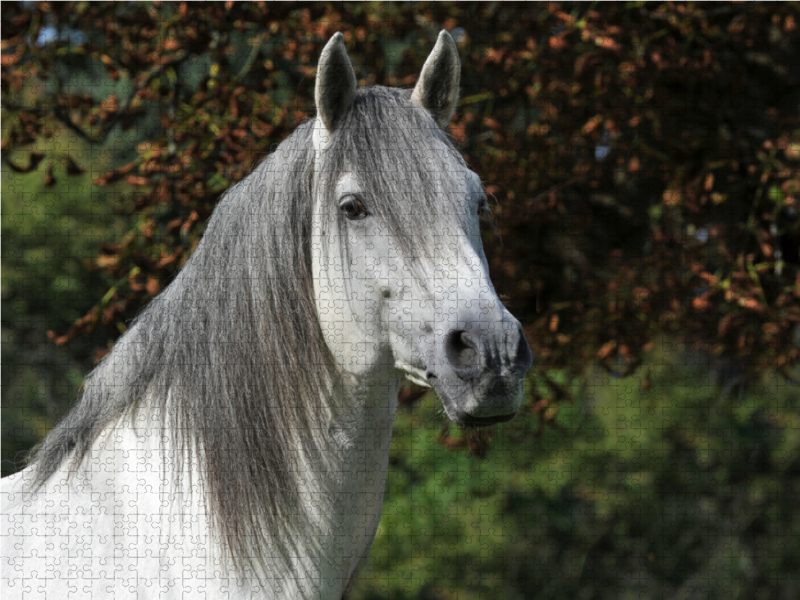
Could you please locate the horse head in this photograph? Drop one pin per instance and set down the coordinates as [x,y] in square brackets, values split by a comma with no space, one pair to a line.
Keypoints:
[400,276]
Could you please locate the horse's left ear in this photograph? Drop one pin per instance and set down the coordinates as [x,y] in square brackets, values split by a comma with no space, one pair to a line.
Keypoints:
[336,83]
[437,88]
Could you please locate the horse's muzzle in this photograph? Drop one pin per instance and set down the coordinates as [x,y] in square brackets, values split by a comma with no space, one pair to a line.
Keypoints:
[480,375]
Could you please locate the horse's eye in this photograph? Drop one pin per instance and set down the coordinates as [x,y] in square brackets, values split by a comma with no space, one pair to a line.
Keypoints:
[353,208]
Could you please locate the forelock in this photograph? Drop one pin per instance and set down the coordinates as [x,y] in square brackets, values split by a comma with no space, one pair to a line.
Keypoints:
[408,168]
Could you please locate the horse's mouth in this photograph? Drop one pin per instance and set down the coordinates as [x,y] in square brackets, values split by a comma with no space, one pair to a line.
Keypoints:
[467,420]
[461,417]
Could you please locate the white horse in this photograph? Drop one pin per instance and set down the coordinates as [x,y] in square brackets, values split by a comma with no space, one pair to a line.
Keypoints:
[234,444]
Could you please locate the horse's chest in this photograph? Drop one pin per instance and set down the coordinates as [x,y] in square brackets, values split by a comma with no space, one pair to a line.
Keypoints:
[109,530]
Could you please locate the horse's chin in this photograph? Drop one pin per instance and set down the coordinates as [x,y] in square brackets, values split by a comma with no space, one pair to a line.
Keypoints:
[466,420]
[450,395]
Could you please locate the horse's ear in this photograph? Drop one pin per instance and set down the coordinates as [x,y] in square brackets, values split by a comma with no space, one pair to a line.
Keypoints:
[336,83]
[437,88]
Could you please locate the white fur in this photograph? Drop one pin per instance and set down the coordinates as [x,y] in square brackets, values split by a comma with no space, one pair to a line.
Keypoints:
[120,528]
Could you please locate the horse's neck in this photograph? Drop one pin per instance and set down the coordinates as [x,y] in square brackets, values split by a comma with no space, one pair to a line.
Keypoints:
[135,454]
[127,496]
[363,434]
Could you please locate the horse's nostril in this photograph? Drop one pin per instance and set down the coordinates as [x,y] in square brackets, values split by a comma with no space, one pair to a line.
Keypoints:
[462,351]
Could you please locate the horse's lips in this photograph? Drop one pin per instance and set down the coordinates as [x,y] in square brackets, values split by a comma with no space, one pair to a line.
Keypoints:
[459,417]
[468,420]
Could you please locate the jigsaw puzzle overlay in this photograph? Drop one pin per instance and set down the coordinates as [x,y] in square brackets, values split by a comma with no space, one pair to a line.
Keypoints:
[425,301]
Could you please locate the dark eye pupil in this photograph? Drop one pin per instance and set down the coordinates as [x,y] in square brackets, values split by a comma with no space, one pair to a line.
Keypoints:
[354,209]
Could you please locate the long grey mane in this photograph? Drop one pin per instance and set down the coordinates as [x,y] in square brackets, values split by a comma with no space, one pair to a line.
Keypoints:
[231,354]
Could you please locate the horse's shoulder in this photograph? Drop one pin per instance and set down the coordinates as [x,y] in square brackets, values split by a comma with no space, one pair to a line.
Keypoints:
[15,490]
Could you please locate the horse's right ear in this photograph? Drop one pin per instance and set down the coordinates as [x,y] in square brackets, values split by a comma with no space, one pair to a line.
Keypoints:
[336,83]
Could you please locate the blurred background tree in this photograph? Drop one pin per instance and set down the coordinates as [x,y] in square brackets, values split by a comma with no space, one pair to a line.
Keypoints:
[643,160]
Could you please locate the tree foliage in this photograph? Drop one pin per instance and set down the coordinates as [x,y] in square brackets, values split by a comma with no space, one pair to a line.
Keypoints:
[643,157]
[655,486]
